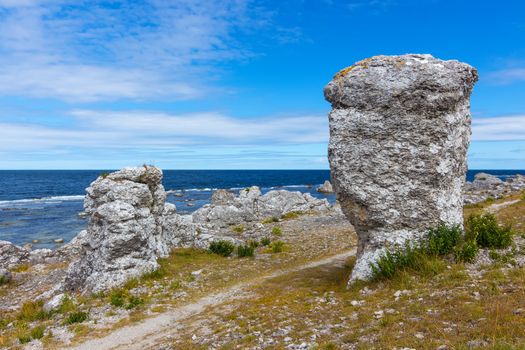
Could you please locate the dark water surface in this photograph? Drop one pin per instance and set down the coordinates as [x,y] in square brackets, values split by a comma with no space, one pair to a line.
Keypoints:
[44,204]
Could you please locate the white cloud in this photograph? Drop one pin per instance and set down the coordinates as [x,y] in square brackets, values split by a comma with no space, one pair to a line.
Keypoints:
[504,128]
[96,50]
[507,76]
[153,132]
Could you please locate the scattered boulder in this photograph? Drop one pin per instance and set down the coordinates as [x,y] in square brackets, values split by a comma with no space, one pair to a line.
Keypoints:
[399,133]
[326,188]
[54,303]
[486,181]
[251,206]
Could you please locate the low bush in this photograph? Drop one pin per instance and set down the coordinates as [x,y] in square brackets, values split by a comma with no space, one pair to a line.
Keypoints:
[253,243]
[244,251]
[3,280]
[133,302]
[443,239]
[265,241]
[277,246]
[277,231]
[24,337]
[467,252]
[117,298]
[33,311]
[76,317]
[222,248]
[484,229]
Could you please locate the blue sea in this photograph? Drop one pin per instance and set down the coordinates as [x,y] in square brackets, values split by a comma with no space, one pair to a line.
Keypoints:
[44,205]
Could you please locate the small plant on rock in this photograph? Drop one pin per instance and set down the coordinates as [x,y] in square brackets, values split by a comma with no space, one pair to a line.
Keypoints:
[133,302]
[270,220]
[117,298]
[38,332]
[244,251]
[222,248]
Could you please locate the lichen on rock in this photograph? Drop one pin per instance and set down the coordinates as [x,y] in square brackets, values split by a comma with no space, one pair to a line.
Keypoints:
[399,134]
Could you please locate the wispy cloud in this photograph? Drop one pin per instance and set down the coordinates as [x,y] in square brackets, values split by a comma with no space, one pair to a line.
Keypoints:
[503,128]
[507,76]
[99,50]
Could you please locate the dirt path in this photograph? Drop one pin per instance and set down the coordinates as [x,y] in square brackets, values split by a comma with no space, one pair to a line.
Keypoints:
[148,332]
[493,208]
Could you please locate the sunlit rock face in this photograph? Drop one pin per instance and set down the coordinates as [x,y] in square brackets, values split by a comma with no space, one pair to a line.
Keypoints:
[399,134]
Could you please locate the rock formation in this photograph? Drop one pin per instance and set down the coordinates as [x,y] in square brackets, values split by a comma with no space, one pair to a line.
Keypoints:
[399,133]
[487,186]
[12,255]
[326,188]
[130,226]
[251,206]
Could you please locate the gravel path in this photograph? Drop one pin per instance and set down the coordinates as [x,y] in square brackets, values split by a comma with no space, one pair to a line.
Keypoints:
[150,331]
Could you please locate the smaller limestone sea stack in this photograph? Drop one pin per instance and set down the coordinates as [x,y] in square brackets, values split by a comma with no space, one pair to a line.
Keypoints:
[399,133]
[130,226]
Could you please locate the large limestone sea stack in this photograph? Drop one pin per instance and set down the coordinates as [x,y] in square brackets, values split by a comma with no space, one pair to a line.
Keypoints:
[399,134]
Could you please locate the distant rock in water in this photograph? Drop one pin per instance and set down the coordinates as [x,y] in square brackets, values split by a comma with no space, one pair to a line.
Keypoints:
[326,188]
[486,181]
[399,133]
[130,226]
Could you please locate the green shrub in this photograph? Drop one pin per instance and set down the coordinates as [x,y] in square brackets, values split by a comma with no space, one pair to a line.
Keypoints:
[253,243]
[104,175]
[133,302]
[244,251]
[154,274]
[484,229]
[490,200]
[270,220]
[467,252]
[277,231]
[117,298]
[76,317]
[443,239]
[265,241]
[38,332]
[223,248]
[277,246]
[24,337]
[66,305]
[238,228]
[3,280]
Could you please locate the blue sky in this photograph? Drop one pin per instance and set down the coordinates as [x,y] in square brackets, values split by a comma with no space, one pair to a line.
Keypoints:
[231,84]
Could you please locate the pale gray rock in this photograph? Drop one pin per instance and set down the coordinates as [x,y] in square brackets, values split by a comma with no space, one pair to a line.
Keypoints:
[12,255]
[54,303]
[222,197]
[130,226]
[251,206]
[399,133]
[486,181]
[326,188]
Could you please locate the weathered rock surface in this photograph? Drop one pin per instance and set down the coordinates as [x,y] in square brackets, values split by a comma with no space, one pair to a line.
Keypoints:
[326,188]
[130,227]
[5,276]
[251,206]
[399,133]
[12,255]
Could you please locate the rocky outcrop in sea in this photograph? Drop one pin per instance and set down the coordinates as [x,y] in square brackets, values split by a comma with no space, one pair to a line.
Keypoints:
[399,133]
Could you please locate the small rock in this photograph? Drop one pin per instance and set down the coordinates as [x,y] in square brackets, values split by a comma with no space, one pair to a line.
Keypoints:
[378,314]
[58,240]
[419,335]
[357,302]
[54,303]
[196,273]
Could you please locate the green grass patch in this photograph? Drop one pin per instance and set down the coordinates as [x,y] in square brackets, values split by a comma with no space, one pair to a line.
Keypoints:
[33,311]
[238,228]
[277,231]
[292,215]
[277,246]
[38,332]
[245,251]
[76,317]
[265,241]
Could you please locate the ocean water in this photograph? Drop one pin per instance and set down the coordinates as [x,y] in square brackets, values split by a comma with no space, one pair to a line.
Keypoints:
[44,205]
